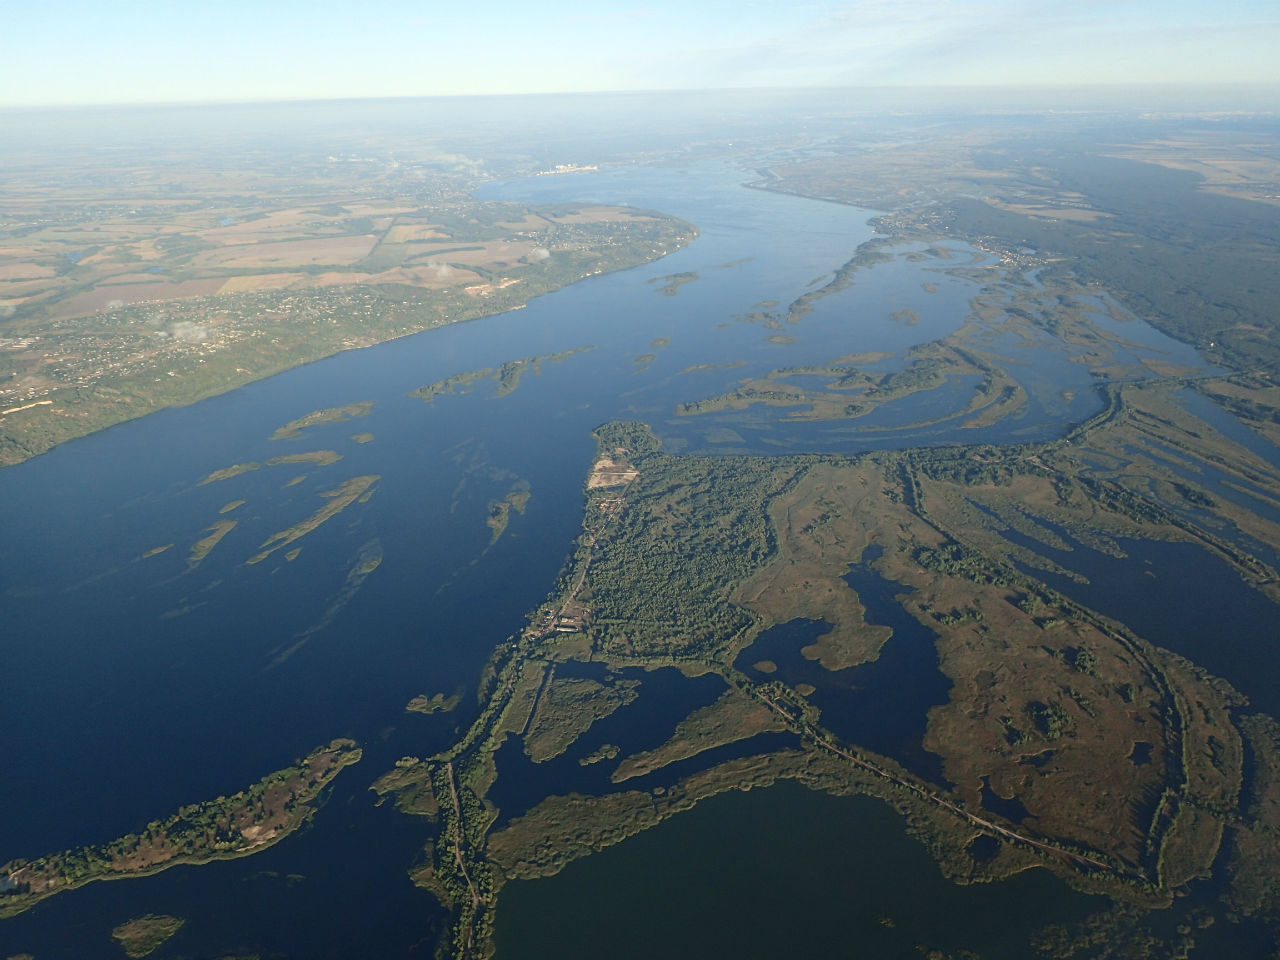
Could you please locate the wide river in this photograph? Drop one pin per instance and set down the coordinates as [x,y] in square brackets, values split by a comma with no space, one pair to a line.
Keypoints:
[130,685]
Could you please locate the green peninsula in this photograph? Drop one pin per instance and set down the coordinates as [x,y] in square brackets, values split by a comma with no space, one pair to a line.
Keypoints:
[698,557]
[223,829]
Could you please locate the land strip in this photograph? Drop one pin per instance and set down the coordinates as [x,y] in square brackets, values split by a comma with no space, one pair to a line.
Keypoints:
[223,829]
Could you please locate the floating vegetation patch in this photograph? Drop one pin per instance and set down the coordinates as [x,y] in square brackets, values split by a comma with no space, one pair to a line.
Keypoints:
[437,703]
[507,376]
[143,936]
[202,547]
[672,283]
[369,560]
[339,500]
[321,458]
[226,473]
[500,511]
[328,415]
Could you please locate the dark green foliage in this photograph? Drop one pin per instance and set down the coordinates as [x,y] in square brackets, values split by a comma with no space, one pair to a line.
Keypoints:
[923,373]
[956,560]
[690,531]
[1049,719]
[1193,496]
[1082,659]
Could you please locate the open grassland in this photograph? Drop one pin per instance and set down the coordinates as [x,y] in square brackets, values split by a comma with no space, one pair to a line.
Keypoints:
[1243,166]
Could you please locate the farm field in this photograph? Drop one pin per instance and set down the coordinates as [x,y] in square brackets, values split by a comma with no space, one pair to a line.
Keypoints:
[178,284]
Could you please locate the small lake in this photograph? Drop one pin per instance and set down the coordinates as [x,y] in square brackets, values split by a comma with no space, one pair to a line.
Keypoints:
[882,705]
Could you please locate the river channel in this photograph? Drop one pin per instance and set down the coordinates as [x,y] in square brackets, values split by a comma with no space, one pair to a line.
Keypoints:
[131,685]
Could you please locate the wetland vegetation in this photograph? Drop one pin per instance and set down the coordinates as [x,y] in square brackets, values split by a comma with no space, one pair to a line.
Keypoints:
[143,936]
[1089,211]
[687,560]
[506,376]
[437,703]
[339,499]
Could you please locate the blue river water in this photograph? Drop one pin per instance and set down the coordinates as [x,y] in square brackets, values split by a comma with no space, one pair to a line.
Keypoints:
[130,685]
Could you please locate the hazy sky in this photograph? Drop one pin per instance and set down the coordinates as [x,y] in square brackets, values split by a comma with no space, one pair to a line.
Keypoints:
[91,51]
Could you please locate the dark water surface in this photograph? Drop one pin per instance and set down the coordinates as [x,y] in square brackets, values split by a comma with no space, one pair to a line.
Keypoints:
[1180,596]
[778,872]
[882,705]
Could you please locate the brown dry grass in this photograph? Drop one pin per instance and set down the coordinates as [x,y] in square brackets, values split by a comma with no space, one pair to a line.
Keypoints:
[813,555]
[104,296]
[1235,170]
[14,289]
[607,472]
[432,276]
[267,281]
[1046,212]
[489,252]
[375,210]
[410,232]
[25,271]
[596,214]
[271,227]
[429,276]
[533,221]
[336,250]
[1006,661]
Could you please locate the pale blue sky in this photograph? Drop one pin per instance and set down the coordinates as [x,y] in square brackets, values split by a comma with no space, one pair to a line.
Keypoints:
[97,51]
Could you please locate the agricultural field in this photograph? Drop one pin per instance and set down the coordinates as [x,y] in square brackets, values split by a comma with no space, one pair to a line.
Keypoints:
[176,284]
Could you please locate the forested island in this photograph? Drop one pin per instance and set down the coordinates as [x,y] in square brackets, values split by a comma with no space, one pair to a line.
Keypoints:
[222,829]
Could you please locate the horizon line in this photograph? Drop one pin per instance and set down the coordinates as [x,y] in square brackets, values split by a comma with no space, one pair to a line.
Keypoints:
[1021,89]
